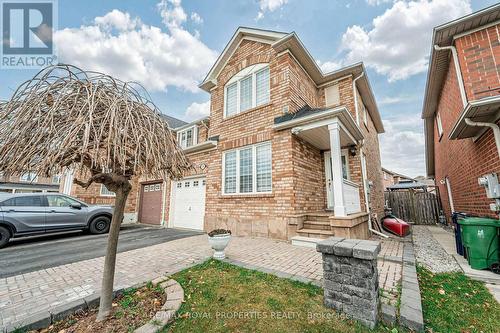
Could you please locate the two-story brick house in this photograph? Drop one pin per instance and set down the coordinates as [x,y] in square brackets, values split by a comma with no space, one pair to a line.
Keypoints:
[286,150]
[462,104]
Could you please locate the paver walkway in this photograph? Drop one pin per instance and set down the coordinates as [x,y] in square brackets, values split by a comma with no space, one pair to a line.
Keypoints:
[37,292]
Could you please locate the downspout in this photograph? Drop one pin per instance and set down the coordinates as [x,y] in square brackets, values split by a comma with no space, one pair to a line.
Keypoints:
[493,126]
[355,93]
[468,121]
[457,70]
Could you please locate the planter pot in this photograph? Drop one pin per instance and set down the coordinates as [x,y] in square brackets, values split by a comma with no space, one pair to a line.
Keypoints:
[219,243]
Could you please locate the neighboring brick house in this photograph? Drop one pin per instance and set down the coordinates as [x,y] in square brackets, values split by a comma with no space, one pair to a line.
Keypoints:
[392,178]
[28,182]
[463,88]
[286,150]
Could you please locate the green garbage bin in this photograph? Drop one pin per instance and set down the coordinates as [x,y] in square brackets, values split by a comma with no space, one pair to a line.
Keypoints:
[480,237]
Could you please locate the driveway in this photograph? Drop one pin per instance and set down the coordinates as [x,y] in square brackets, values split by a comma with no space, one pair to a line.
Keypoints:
[25,255]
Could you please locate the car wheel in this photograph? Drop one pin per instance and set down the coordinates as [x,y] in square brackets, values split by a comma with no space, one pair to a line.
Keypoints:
[4,236]
[100,225]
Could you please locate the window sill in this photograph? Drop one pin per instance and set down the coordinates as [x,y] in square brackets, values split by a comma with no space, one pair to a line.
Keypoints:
[246,195]
[247,111]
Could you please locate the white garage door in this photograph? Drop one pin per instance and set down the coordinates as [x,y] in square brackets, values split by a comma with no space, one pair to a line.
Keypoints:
[188,204]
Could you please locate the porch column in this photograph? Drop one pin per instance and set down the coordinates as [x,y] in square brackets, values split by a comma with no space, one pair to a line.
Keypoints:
[336,156]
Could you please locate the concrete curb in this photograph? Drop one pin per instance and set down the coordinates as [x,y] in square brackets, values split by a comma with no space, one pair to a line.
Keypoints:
[175,297]
[410,313]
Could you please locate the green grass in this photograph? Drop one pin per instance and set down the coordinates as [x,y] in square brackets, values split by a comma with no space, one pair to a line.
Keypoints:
[453,302]
[220,297]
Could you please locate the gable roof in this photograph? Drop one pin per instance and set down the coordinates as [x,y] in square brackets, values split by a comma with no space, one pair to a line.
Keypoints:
[282,42]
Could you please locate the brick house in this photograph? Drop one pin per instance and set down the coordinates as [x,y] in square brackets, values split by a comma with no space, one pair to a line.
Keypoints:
[287,150]
[462,102]
[391,178]
[28,182]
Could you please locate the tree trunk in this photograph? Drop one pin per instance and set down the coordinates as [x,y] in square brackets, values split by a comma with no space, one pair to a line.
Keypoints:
[108,276]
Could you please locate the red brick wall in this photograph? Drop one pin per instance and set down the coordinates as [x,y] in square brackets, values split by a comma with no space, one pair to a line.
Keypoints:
[462,161]
[479,57]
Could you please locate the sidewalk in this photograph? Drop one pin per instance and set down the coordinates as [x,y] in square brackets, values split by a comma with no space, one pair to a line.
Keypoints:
[37,293]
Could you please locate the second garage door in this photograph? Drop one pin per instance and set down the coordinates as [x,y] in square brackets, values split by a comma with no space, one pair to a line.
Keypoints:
[151,203]
[188,204]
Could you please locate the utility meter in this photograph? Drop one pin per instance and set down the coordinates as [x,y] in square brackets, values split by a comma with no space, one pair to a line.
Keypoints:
[490,183]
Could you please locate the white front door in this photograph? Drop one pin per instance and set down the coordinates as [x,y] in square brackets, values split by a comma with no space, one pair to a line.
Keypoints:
[329,180]
[330,203]
[188,203]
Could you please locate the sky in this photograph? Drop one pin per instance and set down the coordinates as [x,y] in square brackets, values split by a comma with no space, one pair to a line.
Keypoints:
[169,45]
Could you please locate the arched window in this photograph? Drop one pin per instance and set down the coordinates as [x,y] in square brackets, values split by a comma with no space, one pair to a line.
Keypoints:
[247,89]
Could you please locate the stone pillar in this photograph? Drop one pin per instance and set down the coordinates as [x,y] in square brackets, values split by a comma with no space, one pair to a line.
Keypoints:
[350,277]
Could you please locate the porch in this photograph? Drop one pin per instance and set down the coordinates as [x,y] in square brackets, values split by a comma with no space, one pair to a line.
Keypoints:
[338,139]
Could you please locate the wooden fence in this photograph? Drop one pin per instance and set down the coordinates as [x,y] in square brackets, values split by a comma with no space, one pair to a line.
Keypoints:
[413,206]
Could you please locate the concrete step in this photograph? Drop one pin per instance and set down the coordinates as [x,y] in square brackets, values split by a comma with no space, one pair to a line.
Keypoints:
[305,241]
[314,233]
[317,225]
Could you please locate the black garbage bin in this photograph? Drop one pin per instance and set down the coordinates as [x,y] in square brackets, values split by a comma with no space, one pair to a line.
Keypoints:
[458,235]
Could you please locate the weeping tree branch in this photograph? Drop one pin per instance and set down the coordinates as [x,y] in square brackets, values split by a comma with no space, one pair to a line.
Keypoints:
[67,118]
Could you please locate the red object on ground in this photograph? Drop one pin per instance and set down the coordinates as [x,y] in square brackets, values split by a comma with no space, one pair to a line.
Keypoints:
[395,226]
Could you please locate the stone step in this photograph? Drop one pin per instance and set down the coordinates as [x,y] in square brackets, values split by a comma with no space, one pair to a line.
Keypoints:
[317,225]
[314,233]
[305,241]
[318,217]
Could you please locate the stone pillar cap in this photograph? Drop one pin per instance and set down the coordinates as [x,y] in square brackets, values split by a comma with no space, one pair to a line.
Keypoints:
[361,249]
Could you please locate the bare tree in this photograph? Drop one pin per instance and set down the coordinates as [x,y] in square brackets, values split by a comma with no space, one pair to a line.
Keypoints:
[66,118]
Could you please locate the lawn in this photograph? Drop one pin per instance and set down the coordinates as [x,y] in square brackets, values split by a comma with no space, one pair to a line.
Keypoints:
[220,297]
[453,302]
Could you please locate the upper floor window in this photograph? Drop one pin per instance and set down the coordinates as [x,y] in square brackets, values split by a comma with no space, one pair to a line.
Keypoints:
[187,137]
[439,125]
[29,177]
[247,89]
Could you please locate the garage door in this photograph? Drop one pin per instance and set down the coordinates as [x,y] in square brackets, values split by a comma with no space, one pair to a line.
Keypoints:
[188,206]
[151,203]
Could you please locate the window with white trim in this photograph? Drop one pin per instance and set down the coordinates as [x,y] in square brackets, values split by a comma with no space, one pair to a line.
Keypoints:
[365,115]
[187,137]
[31,177]
[247,170]
[247,89]
[107,193]
[439,125]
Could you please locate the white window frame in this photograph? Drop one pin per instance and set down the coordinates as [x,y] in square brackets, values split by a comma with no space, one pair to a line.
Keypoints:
[185,130]
[30,174]
[105,192]
[439,125]
[254,170]
[243,74]
[345,153]
[365,115]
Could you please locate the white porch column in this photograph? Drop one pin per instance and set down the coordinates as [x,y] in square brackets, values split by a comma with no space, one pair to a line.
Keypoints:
[335,153]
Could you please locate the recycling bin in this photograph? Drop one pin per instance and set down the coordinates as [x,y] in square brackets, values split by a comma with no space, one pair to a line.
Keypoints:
[458,235]
[480,241]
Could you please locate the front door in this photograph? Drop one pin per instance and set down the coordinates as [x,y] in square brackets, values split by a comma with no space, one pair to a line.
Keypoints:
[329,181]
[329,174]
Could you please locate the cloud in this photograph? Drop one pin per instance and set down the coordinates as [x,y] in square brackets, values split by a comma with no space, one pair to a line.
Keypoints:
[387,100]
[130,50]
[196,18]
[397,44]
[197,111]
[329,66]
[377,2]
[269,6]
[402,146]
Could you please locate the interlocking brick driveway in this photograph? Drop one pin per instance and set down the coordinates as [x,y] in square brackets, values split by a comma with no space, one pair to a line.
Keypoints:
[39,291]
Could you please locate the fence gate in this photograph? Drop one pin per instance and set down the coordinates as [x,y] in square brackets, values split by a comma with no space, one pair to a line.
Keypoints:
[412,206]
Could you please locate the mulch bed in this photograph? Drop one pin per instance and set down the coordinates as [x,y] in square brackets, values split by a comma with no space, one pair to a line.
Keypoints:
[132,309]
